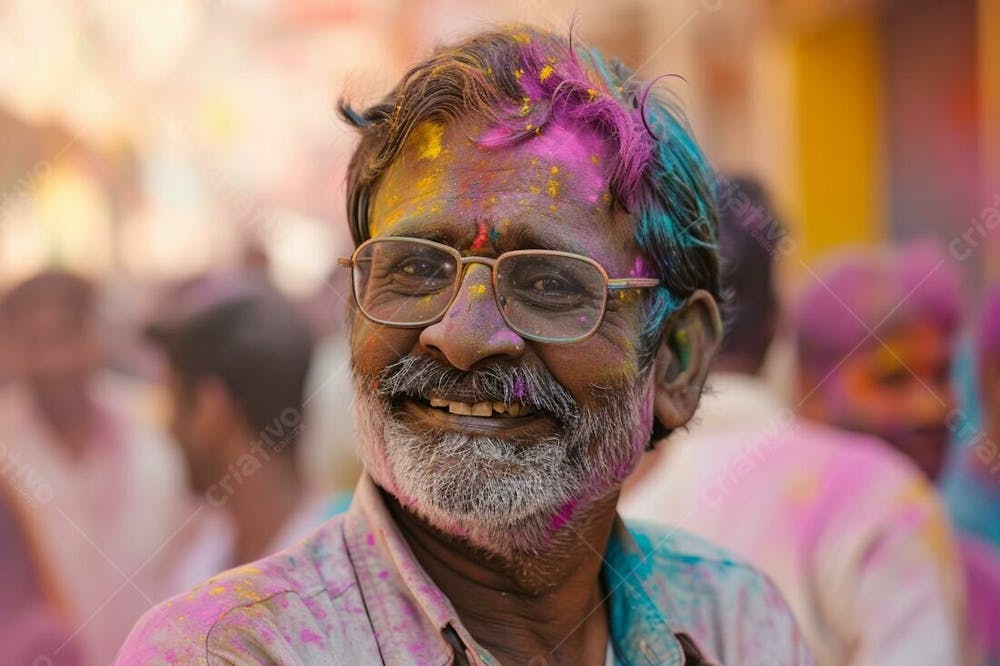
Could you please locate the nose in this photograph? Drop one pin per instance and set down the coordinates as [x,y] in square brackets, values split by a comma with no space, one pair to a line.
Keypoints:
[472,331]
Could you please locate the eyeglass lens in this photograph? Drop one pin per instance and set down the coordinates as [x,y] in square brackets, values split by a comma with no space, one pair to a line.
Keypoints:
[542,296]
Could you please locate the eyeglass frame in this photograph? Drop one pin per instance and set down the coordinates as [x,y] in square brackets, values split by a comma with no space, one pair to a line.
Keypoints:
[610,284]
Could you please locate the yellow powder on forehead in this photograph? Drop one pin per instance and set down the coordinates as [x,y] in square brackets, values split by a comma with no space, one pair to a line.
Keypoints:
[553,184]
[424,195]
[426,140]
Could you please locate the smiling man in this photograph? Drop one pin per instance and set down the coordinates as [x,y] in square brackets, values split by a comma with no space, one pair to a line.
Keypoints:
[535,287]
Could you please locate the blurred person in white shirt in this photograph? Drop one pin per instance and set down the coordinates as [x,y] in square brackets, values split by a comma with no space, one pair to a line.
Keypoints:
[104,490]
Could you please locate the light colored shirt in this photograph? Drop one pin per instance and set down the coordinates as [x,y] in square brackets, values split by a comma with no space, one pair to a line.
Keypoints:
[848,529]
[101,518]
[212,549]
[353,593]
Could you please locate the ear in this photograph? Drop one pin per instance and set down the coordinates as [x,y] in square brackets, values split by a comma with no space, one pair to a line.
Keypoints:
[683,359]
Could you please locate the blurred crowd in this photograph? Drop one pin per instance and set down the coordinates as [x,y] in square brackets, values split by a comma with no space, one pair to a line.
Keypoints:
[866,482]
[155,433]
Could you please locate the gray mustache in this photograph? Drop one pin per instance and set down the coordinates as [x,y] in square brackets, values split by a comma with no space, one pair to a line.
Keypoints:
[419,376]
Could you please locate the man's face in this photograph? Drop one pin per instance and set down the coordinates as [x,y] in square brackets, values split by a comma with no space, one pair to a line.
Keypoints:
[900,392]
[503,482]
[190,424]
[54,352]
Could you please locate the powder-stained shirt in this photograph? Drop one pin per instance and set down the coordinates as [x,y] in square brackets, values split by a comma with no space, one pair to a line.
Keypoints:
[353,593]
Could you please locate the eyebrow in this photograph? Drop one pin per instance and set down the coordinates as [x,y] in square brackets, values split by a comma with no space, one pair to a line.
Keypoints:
[518,234]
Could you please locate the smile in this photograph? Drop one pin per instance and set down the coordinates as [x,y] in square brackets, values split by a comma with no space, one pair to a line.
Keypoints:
[479,417]
[491,409]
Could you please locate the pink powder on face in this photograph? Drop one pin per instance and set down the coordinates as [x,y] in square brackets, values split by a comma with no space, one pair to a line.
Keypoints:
[641,269]
[370,539]
[563,515]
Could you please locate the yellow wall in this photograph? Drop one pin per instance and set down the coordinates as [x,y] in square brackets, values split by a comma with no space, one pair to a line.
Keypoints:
[839,162]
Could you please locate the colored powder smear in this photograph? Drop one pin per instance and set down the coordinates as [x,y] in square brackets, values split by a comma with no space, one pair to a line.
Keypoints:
[428,136]
[482,236]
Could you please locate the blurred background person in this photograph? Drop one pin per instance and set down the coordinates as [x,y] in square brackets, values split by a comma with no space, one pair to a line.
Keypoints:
[33,620]
[841,524]
[875,334]
[238,353]
[114,489]
[971,483]
[875,337]
[329,443]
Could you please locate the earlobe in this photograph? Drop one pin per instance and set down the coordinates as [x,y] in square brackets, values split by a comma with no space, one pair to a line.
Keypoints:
[683,359]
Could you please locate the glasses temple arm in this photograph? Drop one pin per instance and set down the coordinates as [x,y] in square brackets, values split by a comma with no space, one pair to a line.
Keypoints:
[633,283]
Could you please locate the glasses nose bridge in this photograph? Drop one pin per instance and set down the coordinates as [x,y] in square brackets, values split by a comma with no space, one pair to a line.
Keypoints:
[486,261]
[466,262]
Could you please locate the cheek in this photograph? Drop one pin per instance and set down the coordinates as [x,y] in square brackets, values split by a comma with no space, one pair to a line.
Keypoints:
[606,359]
[373,347]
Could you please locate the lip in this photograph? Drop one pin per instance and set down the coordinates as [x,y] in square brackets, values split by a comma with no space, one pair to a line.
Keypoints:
[434,417]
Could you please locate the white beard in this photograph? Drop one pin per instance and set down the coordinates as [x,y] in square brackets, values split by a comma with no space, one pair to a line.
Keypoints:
[504,496]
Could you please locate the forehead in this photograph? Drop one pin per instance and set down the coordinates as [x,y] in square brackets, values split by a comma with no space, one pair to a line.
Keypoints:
[550,189]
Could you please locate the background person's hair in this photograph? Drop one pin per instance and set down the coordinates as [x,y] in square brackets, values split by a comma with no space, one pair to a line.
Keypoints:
[863,289]
[256,343]
[520,78]
[749,234]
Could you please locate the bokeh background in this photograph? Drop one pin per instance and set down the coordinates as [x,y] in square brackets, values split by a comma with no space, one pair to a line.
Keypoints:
[144,143]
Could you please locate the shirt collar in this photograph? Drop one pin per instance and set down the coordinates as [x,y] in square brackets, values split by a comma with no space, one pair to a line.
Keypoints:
[389,575]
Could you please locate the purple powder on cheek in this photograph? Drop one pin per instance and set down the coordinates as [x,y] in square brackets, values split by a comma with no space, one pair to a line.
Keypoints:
[563,515]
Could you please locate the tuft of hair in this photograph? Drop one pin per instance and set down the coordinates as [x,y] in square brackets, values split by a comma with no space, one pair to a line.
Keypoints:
[519,79]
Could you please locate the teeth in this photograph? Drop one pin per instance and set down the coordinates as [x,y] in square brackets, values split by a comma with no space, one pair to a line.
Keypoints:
[463,408]
[481,408]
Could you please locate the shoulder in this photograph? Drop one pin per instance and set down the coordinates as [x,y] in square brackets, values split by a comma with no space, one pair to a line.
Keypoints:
[692,565]
[247,607]
[724,603]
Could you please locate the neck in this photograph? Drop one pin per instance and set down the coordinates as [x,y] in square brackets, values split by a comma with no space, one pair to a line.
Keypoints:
[549,604]
[263,502]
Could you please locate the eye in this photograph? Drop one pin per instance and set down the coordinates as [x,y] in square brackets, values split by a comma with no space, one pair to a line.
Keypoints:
[416,267]
[552,284]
